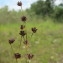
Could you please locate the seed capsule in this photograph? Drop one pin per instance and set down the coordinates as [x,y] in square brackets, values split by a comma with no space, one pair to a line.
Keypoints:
[23,18]
[22,27]
[30,56]
[34,30]
[26,42]
[11,41]
[23,33]
[17,55]
[19,3]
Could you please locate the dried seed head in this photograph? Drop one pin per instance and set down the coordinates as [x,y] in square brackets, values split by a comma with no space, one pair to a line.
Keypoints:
[19,3]
[23,33]
[23,18]
[11,41]
[30,56]
[26,42]
[34,30]
[22,27]
[17,55]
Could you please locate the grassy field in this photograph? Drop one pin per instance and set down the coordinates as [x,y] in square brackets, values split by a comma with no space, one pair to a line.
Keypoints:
[46,44]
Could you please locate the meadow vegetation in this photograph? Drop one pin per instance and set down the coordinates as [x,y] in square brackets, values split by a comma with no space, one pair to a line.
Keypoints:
[46,44]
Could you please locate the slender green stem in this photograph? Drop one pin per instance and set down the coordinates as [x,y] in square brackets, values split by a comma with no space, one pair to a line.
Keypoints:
[26,36]
[12,49]
[21,8]
[16,61]
[23,38]
[26,53]
[31,35]
[20,42]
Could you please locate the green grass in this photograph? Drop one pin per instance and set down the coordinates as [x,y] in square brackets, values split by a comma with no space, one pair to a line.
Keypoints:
[46,44]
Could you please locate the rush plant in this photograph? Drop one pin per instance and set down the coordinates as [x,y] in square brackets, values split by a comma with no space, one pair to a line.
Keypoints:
[24,39]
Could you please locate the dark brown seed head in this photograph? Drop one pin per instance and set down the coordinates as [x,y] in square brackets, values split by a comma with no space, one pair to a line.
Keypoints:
[30,56]
[19,3]
[17,55]
[11,41]
[26,42]
[23,18]
[34,30]
[22,27]
[23,33]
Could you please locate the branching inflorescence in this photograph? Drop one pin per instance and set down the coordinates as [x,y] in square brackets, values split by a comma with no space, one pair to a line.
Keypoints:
[23,35]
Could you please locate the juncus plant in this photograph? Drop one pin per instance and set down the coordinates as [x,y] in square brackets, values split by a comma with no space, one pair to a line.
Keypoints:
[23,33]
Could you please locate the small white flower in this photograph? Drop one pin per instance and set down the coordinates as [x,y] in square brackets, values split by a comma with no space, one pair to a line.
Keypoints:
[52,57]
[29,61]
[37,42]
[24,47]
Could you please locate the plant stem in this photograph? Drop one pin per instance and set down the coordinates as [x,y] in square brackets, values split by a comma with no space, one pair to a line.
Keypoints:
[21,8]
[26,36]
[16,61]
[20,42]
[12,49]
[26,53]
[31,35]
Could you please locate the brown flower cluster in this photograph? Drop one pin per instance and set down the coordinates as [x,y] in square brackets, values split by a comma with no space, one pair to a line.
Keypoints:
[26,42]
[34,29]
[23,18]
[19,3]
[22,27]
[22,33]
[30,56]
[11,41]
[17,55]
